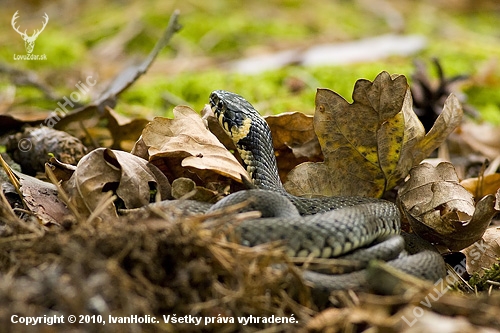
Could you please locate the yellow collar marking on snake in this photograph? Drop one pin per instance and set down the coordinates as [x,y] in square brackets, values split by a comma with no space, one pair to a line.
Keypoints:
[222,123]
[241,132]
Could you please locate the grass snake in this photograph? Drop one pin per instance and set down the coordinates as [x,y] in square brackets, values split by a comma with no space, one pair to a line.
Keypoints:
[355,228]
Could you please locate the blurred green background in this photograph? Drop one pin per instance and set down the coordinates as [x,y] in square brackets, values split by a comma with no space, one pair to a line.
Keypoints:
[100,38]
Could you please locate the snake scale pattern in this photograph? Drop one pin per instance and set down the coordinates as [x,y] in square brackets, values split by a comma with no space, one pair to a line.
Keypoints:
[335,227]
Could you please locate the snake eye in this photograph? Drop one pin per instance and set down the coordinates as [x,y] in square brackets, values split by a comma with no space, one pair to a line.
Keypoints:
[220,104]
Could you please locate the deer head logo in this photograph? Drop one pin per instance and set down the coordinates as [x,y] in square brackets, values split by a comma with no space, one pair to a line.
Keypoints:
[29,41]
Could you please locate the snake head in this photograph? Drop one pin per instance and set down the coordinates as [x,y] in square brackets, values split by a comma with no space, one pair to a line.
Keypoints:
[251,135]
[233,112]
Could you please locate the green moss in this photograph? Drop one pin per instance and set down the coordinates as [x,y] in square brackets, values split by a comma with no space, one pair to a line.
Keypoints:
[483,23]
[229,29]
[491,113]
[490,274]
[268,91]
[61,49]
[31,96]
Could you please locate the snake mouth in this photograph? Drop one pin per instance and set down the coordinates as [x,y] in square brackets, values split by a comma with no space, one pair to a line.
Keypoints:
[225,124]
[218,106]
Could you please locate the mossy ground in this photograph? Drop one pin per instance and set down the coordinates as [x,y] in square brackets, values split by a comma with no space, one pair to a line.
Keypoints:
[463,35]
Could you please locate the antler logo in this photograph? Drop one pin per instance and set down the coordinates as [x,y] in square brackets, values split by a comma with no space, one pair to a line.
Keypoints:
[29,41]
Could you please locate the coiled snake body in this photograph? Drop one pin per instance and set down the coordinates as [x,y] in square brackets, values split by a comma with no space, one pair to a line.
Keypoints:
[318,227]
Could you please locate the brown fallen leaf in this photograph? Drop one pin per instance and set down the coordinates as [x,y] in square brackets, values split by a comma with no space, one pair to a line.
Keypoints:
[62,171]
[39,197]
[132,179]
[184,147]
[481,186]
[122,128]
[485,252]
[11,121]
[185,188]
[42,199]
[440,210]
[294,140]
[370,145]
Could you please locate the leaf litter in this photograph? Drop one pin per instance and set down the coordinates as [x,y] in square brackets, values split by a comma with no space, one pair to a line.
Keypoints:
[441,210]
[164,260]
[371,144]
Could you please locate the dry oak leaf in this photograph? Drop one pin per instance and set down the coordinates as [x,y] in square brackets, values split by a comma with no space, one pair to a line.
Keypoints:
[485,252]
[130,177]
[185,188]
[440,210]
[42,199]
[294,140]
[481,186]
[371,144]
[122,128]
[186,139]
